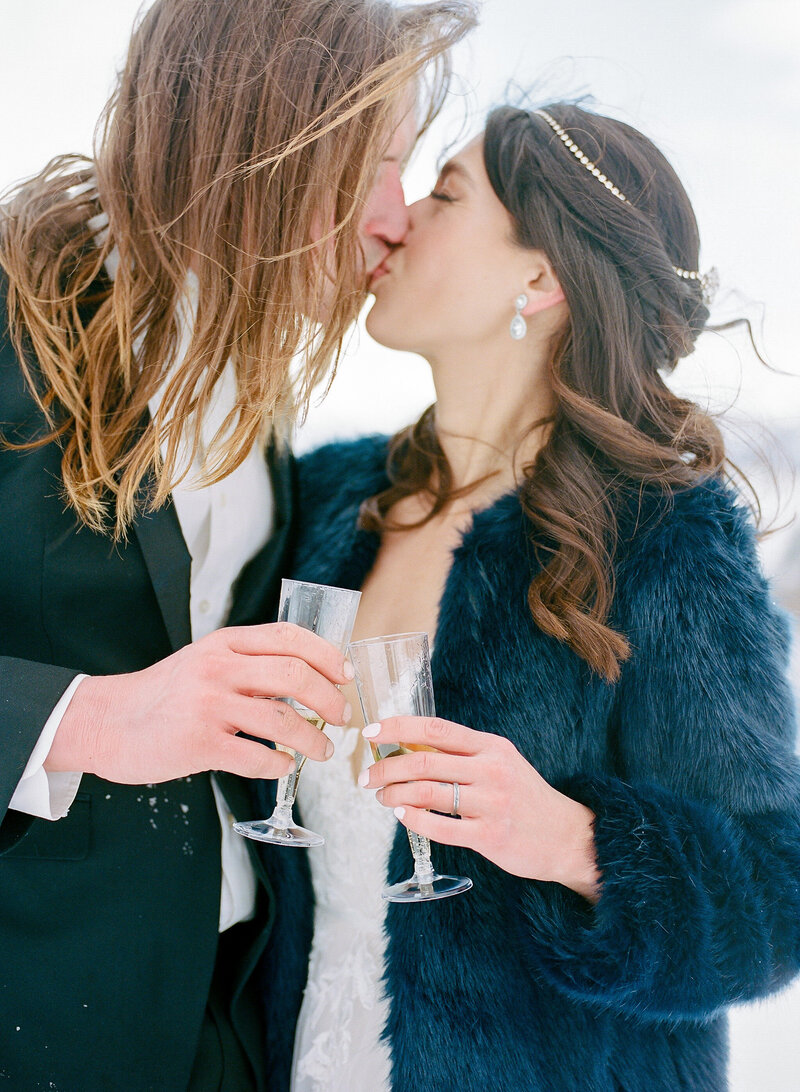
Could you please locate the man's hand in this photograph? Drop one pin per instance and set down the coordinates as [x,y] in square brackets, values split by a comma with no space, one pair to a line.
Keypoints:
[182,715]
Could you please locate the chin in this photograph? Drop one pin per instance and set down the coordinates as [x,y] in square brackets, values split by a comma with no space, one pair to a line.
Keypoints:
[382,330]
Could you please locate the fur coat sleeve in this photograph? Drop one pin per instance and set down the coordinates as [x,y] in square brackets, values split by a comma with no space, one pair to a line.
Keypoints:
[698,819]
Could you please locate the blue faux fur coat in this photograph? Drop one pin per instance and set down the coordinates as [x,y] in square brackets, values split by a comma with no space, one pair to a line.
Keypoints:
[687,762]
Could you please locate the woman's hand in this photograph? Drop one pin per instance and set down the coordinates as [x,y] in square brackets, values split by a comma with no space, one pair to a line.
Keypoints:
[509,813]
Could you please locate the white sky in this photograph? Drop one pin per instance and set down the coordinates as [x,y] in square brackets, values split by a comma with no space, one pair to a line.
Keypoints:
[715,82]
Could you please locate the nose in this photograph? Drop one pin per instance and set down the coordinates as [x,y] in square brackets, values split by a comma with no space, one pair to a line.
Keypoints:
[386,215]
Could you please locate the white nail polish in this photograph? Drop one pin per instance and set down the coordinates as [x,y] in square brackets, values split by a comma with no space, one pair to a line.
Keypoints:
[399,812]
[371,731]
[363,779]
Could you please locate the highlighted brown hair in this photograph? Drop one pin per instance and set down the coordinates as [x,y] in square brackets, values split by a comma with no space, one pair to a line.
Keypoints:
[236,131]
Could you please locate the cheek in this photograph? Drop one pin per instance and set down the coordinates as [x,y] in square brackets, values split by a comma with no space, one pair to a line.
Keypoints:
[463,291]
[485,291]
[447,287]
[322,262]
[321,228]
[433,300]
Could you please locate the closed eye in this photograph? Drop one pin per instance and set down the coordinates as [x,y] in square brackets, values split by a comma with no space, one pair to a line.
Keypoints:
[440,195]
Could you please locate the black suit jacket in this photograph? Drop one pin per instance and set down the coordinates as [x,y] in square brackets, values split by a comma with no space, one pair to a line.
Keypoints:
[108,917]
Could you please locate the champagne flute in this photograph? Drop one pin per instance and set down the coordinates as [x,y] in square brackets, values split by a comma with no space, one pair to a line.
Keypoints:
[330,613]
[393,678]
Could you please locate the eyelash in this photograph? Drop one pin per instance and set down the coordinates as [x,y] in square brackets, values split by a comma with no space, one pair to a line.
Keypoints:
[438,195]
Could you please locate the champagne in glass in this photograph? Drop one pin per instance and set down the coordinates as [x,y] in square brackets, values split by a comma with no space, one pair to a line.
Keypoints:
[330,613]
[391,750]
[393,678]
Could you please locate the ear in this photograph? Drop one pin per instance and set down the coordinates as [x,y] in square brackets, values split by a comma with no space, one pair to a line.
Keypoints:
[542,287]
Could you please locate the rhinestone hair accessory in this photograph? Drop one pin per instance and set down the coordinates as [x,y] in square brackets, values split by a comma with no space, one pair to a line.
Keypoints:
[709,282]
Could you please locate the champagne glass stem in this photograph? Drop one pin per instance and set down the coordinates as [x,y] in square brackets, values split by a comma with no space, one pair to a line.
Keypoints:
[393,677]
[286,793]
[421,849]
[329,612]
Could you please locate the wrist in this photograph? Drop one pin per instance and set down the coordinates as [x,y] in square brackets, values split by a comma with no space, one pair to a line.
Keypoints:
[577,860]
[76,746]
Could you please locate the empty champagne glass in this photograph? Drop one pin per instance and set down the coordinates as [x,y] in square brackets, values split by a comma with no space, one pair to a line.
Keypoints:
[393,678]
[330,613]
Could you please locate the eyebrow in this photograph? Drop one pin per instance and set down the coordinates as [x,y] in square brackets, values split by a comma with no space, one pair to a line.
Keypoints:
[452,166]
[402,160]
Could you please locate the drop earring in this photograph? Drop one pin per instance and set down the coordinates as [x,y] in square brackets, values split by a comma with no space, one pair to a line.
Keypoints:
[519,326]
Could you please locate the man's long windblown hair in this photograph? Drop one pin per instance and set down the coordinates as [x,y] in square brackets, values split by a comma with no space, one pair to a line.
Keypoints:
[240,143]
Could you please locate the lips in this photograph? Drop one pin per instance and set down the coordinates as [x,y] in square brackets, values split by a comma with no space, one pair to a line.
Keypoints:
[377,273]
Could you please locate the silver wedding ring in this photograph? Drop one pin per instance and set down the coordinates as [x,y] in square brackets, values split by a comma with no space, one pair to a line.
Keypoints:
[456,800]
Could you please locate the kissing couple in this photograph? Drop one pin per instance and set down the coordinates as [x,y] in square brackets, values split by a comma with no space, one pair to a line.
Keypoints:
[612,761]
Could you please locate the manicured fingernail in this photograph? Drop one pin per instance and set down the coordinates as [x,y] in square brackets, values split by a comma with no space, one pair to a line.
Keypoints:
[348,713]
[329,749]
[371,731]
[363,779]
[399,812]
[379,796]
[348,670]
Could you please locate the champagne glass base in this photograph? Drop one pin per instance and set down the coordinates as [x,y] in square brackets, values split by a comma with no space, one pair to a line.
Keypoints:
[262,830]
[438,887]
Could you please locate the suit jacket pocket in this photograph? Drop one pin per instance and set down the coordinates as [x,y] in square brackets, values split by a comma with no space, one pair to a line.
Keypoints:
[66,839]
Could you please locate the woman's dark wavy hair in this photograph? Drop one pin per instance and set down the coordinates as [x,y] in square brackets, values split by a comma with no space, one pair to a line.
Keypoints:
[616,428]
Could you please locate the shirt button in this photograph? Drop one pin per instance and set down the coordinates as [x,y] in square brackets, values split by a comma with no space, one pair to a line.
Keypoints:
[205,606]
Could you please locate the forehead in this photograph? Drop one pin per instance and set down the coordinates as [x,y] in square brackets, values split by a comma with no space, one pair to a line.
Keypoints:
[475,188]
[473,150]
[404,135]
[469,161]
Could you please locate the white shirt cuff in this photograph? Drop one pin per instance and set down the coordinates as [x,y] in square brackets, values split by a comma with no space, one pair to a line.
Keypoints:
[39,793]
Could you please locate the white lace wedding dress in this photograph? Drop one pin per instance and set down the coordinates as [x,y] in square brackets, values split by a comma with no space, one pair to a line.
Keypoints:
[338,1045]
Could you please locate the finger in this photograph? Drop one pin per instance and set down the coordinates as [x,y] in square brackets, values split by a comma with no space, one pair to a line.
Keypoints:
[278,722]
[433,795]
[248,759]
[442,735]
[288,677]
[418,766]
[287,639]
[439,828]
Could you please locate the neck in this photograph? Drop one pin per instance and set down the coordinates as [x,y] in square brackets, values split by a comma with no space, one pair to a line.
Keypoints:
[488,404]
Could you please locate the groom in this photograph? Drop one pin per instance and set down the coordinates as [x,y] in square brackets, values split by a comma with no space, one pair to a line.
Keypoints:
[249,175]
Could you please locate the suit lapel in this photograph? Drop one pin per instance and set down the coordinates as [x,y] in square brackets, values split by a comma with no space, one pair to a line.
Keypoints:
[169,566]
[169,563]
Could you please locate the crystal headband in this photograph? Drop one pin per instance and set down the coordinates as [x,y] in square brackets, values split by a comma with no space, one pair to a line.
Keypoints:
[709,282]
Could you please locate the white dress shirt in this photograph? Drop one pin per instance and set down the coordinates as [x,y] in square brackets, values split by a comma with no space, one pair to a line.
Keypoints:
[224,525]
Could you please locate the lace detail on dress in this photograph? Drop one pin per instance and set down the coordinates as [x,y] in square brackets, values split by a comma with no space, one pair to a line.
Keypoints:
[338,1044]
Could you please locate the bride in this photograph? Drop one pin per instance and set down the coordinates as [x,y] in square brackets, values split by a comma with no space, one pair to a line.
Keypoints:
[561,525]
